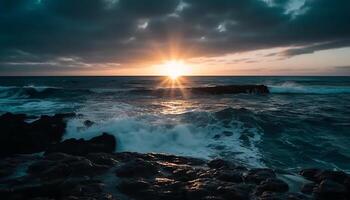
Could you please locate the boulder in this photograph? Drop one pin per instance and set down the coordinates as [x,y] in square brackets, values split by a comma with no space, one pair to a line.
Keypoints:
[329,190]
[219,164]
[20,137]
[230,176]
[272,185]
[103,143]
[258,175]
[310,174]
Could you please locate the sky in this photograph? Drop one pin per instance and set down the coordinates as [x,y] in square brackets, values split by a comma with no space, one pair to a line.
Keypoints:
[210,37]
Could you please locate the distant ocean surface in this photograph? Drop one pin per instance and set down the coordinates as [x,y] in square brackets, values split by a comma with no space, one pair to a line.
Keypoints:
[304,121]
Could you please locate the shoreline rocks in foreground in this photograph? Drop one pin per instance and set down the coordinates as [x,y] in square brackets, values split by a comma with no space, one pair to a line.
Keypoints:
[21,137]
[150,176]
[88,169]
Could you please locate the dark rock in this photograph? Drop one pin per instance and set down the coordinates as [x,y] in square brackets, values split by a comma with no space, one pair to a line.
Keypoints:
[218,164]
[272,185]
[136,168]
[234,192]
[85,167]
[200,188]
[258,175]
[284,196]
[133,186]
[88,123]
[184,174]
[318,175]
[40,166]
[103,143]
[310,174]
[308,188]
[57,156]
[329,189]
[230,176]
[19,137]
[337,176]
[231,89]
[57,171]
[102,158]
[175,159]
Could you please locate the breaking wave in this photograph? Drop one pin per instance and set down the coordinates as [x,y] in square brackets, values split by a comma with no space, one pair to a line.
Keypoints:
[31,91]
[293,88]
[214,134]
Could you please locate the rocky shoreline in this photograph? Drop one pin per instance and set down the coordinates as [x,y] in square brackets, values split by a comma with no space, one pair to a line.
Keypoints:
[49,168]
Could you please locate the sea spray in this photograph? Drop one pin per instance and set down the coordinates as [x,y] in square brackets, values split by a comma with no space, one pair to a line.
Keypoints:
[150,133]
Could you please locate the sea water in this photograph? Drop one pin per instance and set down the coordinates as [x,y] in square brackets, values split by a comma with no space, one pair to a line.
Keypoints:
[303,122]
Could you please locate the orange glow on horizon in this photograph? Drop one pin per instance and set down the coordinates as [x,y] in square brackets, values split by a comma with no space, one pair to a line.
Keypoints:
[174,69]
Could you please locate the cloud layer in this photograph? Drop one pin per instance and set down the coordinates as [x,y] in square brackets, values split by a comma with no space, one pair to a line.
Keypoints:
[81,34]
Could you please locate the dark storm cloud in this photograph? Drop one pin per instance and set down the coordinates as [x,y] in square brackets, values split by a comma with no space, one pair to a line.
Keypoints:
[122,31]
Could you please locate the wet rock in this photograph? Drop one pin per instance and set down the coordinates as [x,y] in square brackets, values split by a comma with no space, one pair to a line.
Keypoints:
[102,159]
[175,159]
[232,89]
[137,168]
[86,167]
[337,176]
[234,192]
[285,196]
[258,175]
[184,174]
[308,188]
[230,176]
[88,123]
[218,164]
[200,188]
[19,137]
[133,186]
[310,174]
[272,185]
[329,189]
[57,171]
[8,165]
[103,143]
[40,166]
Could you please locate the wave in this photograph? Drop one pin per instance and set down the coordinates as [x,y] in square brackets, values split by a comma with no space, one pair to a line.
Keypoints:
[293,88]
[31,91]
[206,138]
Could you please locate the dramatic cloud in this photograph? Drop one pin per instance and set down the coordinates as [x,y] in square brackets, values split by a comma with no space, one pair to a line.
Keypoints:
[80,33]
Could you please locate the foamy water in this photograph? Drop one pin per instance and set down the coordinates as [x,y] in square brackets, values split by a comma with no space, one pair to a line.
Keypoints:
[303,122]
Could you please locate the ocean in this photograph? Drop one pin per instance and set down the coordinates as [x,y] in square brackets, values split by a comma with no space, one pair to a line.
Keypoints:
[303,122]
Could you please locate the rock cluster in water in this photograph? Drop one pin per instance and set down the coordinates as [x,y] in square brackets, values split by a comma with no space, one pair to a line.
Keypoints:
[88,169]
[232,89]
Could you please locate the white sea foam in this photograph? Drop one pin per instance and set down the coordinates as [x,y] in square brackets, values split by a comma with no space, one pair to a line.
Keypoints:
[40,88]
[150,133]
[293,88]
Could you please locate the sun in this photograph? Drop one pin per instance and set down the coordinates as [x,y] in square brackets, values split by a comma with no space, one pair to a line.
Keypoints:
[174,69]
